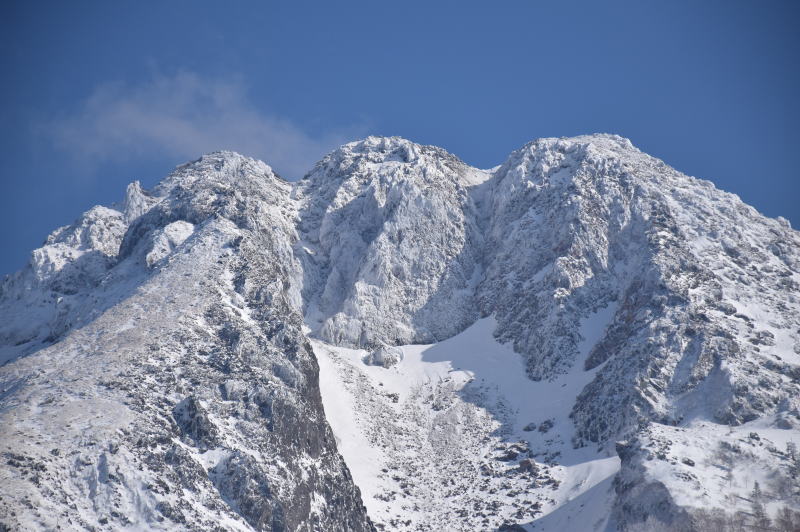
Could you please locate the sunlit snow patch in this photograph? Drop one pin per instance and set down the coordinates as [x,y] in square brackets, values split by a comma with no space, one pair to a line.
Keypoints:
[455,435]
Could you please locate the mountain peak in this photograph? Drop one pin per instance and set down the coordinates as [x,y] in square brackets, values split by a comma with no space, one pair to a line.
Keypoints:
[603,145]
[582,294]
[224,167]
[379,149]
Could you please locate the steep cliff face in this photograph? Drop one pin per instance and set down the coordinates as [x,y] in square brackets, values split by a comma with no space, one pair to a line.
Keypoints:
[699,291]
[190,398]
[390,243]
[160,371]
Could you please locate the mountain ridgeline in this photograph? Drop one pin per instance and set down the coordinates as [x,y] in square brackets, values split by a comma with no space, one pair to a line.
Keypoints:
[158,370]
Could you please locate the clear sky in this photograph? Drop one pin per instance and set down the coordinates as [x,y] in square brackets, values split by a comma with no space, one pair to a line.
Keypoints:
[97,94]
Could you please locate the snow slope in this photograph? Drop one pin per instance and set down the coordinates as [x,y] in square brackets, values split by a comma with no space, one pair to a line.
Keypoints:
[462,405]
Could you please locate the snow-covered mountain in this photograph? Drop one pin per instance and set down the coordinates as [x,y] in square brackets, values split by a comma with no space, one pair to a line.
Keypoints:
[579,339]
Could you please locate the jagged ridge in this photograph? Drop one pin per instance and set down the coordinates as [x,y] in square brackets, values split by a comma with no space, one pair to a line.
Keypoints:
[389,242]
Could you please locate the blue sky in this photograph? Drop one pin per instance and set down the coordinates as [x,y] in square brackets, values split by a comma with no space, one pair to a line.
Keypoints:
[97,94]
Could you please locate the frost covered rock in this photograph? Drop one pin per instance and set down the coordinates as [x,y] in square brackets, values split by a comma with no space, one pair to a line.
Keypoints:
[137,202]
[189,398]
[389,243]
[158,371]
[49,296]
[384,356]
[166,239]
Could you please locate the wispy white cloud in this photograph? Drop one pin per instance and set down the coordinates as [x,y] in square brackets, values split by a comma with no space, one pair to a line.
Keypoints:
[183,116]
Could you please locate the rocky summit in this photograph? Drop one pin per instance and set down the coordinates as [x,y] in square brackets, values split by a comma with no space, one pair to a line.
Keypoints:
[582,338]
